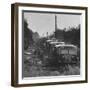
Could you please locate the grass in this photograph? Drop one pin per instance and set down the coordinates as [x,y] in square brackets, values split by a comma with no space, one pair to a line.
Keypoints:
[72,70]
[34,66]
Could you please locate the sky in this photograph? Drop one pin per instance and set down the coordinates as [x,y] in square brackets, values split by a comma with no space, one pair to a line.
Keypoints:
[45,22]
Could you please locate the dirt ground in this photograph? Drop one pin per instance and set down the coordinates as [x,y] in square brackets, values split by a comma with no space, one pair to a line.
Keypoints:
[34,66]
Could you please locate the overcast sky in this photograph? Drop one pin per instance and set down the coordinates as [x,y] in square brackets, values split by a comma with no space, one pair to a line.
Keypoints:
[45,22]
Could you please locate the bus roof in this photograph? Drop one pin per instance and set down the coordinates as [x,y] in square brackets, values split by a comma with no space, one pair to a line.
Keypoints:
[65,45]
[57,43]
[49,40]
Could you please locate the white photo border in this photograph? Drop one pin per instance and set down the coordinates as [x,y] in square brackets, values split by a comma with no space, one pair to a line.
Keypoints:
[34,80]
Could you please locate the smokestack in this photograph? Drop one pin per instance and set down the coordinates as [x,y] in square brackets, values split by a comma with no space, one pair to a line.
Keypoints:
[55,25]
[55,22]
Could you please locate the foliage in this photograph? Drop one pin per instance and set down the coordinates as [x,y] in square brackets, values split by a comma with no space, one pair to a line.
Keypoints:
[28,34]
[72,35]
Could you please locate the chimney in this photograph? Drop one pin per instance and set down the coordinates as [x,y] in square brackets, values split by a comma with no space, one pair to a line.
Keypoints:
[55,22]
[55,26]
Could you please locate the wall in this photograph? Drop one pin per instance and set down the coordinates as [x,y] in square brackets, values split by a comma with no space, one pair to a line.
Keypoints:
[5,45]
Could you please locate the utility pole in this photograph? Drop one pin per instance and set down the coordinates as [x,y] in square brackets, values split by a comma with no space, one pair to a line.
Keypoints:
[47,35]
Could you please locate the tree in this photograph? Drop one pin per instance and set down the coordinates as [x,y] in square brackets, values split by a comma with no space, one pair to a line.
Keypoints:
[73,35]
[28,36]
